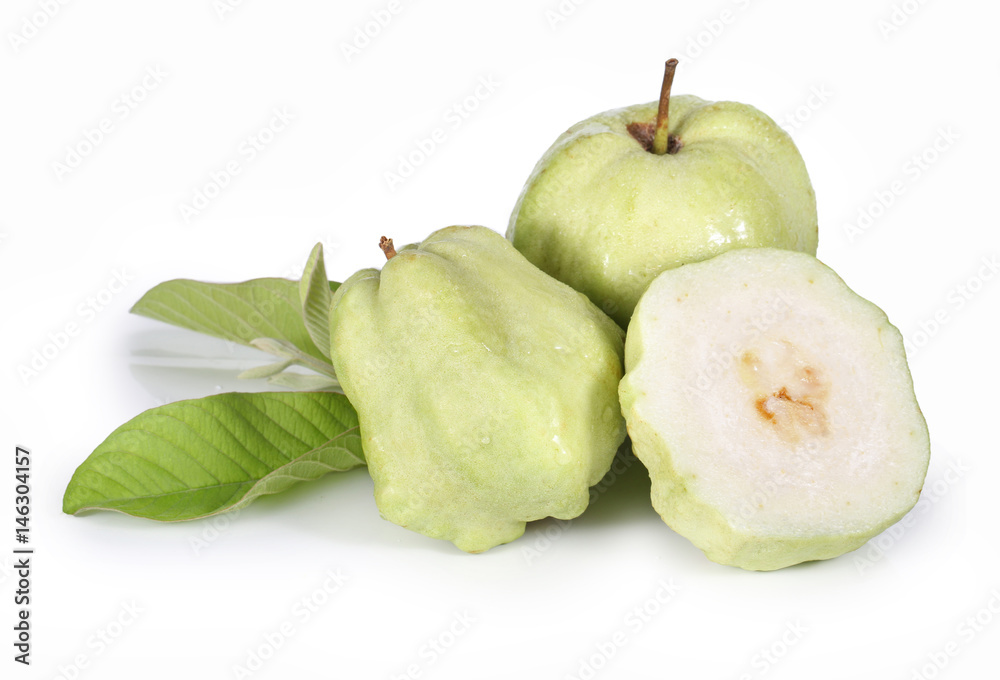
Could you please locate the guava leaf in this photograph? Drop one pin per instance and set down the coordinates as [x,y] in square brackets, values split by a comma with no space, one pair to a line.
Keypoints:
[314,293]
[200,457]
[238,312]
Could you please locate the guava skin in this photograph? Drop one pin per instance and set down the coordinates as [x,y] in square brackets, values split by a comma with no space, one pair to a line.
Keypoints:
[486,390]
[605,215]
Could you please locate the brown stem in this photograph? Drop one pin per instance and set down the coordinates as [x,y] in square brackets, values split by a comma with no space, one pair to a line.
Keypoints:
[661,139]
[386,245]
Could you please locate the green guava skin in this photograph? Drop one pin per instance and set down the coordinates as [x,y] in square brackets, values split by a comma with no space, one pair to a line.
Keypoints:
[486,390]
[604,215]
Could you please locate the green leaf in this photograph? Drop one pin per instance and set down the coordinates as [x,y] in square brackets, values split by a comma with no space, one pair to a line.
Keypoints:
[314,293]
[200,457]
[238,312]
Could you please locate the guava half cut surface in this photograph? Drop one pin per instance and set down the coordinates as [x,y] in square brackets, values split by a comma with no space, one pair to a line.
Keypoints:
[773,408]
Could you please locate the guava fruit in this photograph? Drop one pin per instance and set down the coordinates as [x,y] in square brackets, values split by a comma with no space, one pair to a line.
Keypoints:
[486,390]
[773,408]
[607,207]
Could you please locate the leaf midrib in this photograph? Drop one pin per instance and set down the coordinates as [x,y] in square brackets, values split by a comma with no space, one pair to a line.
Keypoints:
[220,485]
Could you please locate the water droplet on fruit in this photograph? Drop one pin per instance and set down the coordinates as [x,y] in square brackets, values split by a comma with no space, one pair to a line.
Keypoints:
[562,455]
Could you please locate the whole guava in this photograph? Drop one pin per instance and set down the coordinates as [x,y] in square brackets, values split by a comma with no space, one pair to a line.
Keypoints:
[486,390]
[606,211]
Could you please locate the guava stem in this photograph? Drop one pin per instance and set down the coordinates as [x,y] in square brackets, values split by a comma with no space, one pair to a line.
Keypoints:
[386,245]
[661,139]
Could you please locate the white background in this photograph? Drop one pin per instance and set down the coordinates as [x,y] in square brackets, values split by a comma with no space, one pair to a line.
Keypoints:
[860,100]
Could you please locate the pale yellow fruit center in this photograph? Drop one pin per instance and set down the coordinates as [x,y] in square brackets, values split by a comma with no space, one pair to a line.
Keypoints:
[787,391]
